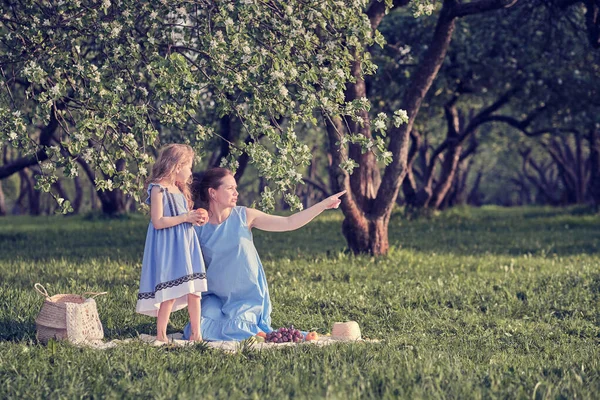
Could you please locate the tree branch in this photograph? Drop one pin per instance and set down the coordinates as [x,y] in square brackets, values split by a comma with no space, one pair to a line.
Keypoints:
[27,161]
[414,95]
[477,7]
[317,186]
[376,10]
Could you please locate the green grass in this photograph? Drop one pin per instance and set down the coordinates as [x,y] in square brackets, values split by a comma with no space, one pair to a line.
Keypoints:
[471,303]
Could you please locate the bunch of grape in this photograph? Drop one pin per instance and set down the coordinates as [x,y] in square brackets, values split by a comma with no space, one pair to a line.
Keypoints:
[284,335]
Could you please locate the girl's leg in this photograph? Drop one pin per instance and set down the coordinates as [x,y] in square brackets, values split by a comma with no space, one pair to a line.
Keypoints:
[164,312]
[194,310]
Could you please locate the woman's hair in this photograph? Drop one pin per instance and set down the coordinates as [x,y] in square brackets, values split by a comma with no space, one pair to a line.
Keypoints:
[169,158]
[211,179]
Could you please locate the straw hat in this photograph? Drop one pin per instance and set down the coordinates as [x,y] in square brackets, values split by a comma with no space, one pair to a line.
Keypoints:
[345,331]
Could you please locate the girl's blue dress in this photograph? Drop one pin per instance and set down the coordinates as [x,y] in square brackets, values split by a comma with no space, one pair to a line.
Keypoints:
[173,266]
[236,305]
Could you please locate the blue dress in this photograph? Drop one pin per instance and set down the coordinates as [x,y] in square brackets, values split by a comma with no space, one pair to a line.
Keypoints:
[173,266]
[236,305]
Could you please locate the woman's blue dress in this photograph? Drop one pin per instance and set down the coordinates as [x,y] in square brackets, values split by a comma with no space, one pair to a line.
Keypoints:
[236,305]
[173,266]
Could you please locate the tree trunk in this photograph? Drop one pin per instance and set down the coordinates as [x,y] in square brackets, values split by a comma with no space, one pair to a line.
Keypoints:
[32,194]
[594,181]
[409,184]
[580,169]
[474,197]
[2,201]
[19,206]
[113,202]
[409,189]
[78,195]
[94,198]
[449,167]
[419,86]
[365,180]
[371,238]
[457,193]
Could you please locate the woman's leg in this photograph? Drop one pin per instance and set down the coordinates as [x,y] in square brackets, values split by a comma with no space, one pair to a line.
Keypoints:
[194,309]
[164,312]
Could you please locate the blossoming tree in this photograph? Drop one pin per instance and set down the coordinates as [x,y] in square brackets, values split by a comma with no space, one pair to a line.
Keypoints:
[98,84]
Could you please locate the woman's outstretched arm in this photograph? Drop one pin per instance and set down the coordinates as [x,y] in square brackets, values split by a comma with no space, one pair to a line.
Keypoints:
[273,223]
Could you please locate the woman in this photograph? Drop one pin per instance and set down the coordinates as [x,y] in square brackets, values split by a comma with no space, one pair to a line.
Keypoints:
[237,305]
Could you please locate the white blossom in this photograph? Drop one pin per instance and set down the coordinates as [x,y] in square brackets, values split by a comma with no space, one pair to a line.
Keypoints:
[55,90]
[400,117]
[278,75]
[116,29]
[379,125]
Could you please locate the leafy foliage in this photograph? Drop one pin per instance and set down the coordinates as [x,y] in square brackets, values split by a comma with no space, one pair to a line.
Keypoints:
[122,77]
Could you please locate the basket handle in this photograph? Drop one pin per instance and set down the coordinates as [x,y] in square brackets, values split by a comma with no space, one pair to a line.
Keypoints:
[43,291]
[95,294]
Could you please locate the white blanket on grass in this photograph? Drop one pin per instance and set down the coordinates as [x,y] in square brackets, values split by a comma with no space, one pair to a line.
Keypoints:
[176,340]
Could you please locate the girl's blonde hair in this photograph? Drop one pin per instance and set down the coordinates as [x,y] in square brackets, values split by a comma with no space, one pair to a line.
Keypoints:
[169,158]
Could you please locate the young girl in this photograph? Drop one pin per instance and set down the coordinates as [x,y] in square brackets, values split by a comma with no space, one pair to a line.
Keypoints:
[173,273]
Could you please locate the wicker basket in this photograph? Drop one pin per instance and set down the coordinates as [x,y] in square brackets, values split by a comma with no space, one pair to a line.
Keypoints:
[68,317]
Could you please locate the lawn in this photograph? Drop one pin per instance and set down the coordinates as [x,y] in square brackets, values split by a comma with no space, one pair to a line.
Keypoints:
[470,303]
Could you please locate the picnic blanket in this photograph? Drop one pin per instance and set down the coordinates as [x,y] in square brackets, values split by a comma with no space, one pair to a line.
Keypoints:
[176,340]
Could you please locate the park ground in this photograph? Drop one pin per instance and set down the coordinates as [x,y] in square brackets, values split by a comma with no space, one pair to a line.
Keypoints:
[469,303]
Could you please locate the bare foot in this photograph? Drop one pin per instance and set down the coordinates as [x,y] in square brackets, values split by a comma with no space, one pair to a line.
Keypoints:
[195,338]
[160,338]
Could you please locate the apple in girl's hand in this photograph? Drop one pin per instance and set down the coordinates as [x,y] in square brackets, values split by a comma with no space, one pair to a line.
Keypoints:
[262,335]
[312,336]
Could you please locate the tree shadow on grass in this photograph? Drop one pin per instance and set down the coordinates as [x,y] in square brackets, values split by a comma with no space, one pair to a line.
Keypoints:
[512,232]
[16,331]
